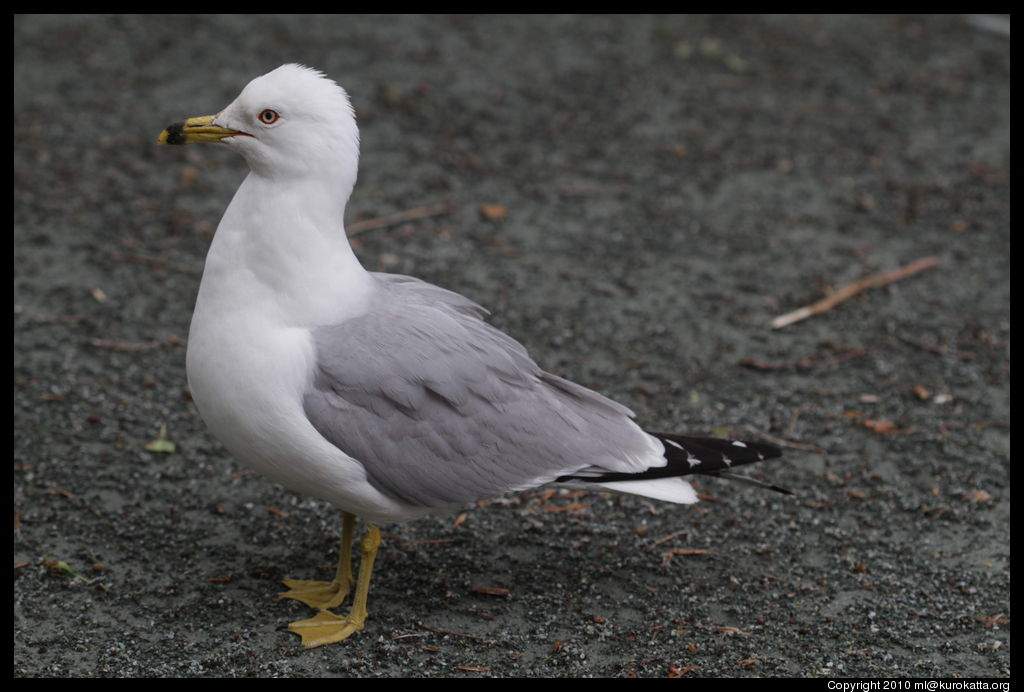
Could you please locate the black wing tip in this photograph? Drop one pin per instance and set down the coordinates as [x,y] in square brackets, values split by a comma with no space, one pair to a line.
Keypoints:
[689,455]
[715,453]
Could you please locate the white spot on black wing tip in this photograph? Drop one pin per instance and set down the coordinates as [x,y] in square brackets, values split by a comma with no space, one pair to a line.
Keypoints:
[675,444]
[737,443]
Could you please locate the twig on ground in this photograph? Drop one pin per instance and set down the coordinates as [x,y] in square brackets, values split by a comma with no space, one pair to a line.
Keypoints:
[852,289]
[939,350]
[455,634]
[115,345]
[153,262]
[358,227]
[805,363]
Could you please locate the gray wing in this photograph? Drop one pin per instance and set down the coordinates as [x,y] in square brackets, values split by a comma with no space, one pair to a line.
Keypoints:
[441,408]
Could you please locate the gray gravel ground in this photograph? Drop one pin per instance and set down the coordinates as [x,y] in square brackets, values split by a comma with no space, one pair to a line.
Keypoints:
[670,184]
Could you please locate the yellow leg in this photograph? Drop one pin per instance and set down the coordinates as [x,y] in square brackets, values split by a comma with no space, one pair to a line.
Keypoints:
[327,594]
[327,628]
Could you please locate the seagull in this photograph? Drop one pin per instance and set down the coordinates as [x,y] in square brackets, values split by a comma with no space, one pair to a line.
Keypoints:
[384,395]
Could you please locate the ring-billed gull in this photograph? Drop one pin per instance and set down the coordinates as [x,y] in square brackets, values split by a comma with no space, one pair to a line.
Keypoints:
[384,395]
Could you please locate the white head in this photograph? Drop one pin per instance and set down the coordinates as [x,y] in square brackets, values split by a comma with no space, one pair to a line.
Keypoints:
[291,123]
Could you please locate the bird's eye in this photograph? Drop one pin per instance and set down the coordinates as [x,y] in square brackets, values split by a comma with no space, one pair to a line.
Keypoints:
[268,116]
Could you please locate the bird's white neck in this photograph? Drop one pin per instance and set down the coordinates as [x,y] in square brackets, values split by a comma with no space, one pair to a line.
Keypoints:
[282,246]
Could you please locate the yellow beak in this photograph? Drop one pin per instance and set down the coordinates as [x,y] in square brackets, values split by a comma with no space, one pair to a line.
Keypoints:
[195,130]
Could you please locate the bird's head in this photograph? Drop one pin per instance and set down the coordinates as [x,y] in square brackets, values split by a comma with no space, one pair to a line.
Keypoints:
[293,122]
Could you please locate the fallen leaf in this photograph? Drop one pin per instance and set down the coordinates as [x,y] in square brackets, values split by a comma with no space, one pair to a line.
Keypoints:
[882,427]
[977,496]
[161,444]
[493,212]
[189,174]
[56,566]
[728,630]
[492,590]
[675,671]
[576,506]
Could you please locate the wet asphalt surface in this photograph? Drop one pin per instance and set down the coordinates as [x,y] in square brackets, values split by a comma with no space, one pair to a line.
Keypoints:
[662,188]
